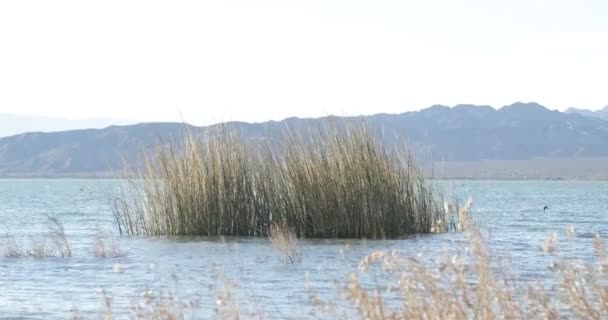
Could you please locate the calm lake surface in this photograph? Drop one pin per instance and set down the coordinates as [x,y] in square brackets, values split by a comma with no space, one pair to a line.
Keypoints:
[509,212]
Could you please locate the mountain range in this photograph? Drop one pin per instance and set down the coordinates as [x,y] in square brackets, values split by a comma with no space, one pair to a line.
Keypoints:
[464,141]
[602,114]
[13,124]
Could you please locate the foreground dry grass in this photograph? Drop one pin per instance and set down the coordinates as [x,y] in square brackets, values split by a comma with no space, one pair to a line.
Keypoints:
[468,286]
[476,287]
[325,183]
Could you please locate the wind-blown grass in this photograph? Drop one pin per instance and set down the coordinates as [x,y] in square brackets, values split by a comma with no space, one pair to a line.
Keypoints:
[475,286]
[326,183]
[107,247]
[285,242]
[53,244]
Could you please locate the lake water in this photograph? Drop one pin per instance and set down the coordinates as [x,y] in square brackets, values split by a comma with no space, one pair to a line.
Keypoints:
[509,212]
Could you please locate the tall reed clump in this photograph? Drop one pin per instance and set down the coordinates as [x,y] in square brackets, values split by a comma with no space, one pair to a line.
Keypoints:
[343,182]
[325,183]
[201,188]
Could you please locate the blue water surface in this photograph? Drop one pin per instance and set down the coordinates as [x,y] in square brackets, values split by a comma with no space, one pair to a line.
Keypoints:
[510,214]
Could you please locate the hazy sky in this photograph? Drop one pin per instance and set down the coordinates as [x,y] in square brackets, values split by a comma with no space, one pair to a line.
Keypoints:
[259,60]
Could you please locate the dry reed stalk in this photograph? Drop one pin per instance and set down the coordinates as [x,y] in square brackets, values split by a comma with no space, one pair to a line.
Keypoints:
[59,237]
[107,247]
[11,248]
[284,240]
[550,243]
[55,244]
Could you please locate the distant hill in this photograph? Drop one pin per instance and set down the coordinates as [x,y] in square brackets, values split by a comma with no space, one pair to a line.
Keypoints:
[464,134]
[12,124]
[602,114]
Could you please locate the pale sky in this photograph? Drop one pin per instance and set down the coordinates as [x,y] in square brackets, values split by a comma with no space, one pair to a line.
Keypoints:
[259,60]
